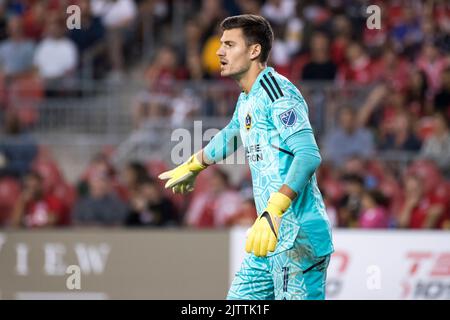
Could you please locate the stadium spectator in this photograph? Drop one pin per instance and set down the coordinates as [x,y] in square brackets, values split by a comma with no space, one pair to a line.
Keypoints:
[406,33]
[118,17]
[3,21]
[249,6]
[373,214]
[56,58]
[356,166]
[349,205]
[320,66]
[16,52]
[421,210]
[101,206]
[18,148]
[161,77]
[246,214]
[132,175]
[433,63]
[416,94]
[392,70]
[358,68]
[442,98]
[100,160]
[149,207]
[144,141]
[89,39]
[437,146]
[278,11]
[192,58]
[342,37]
[164,71]
[34,20]
[348,139]
[399,135]
[367,115]
[213,207]
[210,62]
[35,208]
[209,16]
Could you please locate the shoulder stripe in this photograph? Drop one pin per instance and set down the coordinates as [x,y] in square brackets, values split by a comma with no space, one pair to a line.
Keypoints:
[271,87]
[267,90]
[276,84]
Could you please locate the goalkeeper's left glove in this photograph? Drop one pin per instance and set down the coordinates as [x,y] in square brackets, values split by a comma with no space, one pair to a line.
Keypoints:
[263,235]
[182,178]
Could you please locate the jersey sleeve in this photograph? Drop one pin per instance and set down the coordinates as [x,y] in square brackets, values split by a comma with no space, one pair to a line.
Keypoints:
[289,115]
[225,142]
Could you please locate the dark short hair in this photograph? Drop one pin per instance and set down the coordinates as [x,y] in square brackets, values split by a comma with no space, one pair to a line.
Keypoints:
[378,197]
[353,178]
[256,29]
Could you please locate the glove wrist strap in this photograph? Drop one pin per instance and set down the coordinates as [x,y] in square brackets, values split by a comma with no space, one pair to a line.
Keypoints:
[195,164]
[279,202]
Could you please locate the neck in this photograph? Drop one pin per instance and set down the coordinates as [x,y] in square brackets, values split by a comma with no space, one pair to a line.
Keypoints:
[249,77]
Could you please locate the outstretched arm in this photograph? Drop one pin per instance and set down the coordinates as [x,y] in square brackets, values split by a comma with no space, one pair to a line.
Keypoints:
[182,178]
[223,144]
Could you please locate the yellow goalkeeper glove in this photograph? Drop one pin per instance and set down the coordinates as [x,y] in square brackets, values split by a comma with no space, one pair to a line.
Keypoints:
[263,235]
[182,178]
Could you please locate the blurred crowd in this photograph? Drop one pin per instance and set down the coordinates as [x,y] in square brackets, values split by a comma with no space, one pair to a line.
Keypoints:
[404,66]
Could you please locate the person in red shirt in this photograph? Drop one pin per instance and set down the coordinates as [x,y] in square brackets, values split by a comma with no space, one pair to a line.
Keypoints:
[34,208]
[359,68]
[214,207]
[392,70]
[421,210]
[433,63]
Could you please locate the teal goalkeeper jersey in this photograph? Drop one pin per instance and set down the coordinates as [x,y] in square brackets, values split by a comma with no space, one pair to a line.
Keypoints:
[271,112]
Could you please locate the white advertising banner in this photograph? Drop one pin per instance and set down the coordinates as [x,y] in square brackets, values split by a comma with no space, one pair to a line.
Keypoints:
[370,264]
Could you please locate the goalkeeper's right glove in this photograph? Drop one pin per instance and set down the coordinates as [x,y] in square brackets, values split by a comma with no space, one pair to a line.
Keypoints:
[181,179]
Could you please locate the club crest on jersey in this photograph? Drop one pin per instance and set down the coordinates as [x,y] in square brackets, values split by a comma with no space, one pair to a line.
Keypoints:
[248,121]
[288,118]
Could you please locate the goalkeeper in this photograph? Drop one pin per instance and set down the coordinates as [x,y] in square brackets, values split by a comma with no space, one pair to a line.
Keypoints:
[289,244]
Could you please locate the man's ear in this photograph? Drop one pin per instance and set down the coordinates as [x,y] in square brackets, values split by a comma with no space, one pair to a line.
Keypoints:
[255,51]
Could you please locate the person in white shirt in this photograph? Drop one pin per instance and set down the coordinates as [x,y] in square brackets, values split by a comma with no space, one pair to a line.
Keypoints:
[56,56]
[118,16]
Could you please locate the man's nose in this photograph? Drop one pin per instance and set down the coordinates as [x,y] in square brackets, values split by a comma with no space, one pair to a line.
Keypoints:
[219,52]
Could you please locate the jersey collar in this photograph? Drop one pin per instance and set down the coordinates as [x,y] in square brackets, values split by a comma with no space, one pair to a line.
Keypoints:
[256,84]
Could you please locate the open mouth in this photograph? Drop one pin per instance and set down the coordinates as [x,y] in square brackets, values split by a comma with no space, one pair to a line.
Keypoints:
[223,63]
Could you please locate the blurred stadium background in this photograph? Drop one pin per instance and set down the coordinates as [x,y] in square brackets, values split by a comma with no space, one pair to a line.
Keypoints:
[87,117]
